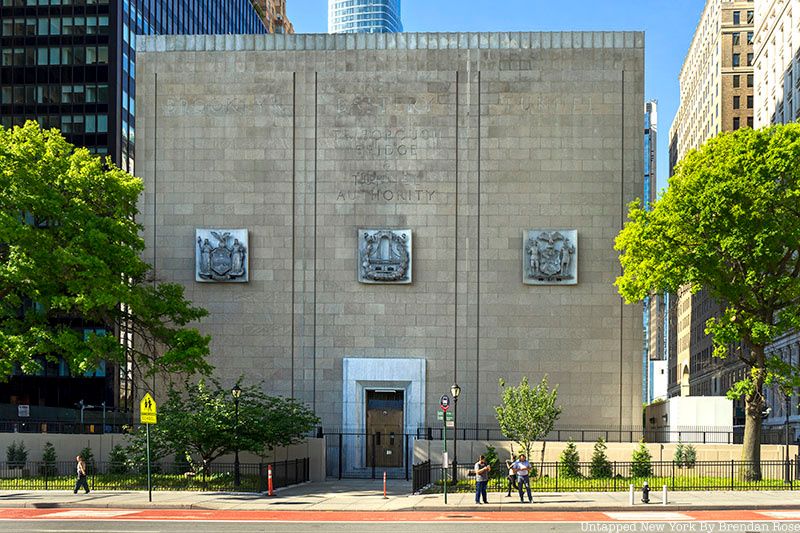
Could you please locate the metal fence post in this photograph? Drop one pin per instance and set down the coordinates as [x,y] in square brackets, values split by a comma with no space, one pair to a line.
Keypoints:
[340,456]
[374,442]
[406,454]
[557,477]
[731,474]
[673,475]
[614,473]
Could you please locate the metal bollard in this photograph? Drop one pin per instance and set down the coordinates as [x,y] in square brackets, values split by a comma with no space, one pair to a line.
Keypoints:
[664,495]
[631,494]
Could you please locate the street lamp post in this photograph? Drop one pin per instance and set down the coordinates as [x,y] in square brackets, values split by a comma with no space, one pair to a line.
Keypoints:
[236,392]
[455,390]
[788,399]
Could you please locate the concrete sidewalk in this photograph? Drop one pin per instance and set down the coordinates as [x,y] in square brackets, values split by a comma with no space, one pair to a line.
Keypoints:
[367,495]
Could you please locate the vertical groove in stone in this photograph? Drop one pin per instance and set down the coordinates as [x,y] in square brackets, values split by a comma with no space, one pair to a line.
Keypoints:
[294,208]
[478,291]
[621,223]
[314,348]
[155,173]
[455,254]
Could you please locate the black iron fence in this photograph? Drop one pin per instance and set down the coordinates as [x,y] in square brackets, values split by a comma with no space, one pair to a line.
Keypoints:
[369,455]
[550,477]
[421,477]
[60,475]
[689,434]
[61,426]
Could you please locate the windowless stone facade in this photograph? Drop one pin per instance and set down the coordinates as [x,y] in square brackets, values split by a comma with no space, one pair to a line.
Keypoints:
[464,140]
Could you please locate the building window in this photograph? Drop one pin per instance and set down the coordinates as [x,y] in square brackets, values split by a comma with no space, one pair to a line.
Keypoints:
[736,59]
[736,17]
[736,123]
[736,102]
[735,80]
[750,59]
[735,38]
[750,16]
[750,102]
[749,80]
[749,37]
[749,122]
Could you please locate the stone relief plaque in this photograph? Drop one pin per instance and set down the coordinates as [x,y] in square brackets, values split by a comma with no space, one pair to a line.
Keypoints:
[221,255]
[550,257]
[384,256]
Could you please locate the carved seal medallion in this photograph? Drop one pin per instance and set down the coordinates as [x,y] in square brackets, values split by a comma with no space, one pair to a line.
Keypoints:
[384,256]
[221,255]
[550,257]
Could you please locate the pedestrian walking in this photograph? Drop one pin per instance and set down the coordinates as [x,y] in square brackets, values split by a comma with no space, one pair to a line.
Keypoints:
[81,481]
[482,469]
[522,469]
[512,478]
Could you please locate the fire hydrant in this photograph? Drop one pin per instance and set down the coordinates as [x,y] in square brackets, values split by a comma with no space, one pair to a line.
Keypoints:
[645,493]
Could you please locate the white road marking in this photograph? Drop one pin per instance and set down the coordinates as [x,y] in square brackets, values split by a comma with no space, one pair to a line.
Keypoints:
[645,516]
[88,513]
[781,514]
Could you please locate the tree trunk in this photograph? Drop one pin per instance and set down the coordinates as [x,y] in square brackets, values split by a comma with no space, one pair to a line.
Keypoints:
[753,409]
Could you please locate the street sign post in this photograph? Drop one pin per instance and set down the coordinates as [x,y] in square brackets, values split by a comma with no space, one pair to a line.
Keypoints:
[444,403]
[148,415]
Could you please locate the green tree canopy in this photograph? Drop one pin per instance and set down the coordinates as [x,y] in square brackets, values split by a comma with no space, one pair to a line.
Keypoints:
[728,223]
[200,418]
[70,263]
[527,414]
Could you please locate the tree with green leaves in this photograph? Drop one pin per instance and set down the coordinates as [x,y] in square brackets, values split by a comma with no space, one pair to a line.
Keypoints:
[641,461]
[527,414]
[729,223]
[200,419]
[601,466]
[49,458]
[70,260]
[569,464]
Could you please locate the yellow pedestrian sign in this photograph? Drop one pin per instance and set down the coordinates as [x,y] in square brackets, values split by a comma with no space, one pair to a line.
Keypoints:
[147,410]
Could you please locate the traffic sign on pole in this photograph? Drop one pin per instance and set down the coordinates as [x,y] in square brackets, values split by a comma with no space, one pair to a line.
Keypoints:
[147,410]
[444,402]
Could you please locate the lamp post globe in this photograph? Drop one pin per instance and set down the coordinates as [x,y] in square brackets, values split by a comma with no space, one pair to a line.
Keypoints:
[455,391]
[236,392]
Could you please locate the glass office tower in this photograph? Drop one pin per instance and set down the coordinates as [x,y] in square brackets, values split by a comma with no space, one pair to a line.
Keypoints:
[364,16]
[70,64]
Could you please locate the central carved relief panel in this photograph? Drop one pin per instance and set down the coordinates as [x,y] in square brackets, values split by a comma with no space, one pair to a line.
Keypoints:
[384,256]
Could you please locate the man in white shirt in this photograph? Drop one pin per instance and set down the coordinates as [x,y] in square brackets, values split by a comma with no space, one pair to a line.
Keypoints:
[522,469]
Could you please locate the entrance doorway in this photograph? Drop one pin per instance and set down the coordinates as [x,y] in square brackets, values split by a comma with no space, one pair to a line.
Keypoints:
[384,428]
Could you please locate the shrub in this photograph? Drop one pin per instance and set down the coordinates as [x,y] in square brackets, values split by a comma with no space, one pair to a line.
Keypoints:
[689,456]
[569,462]
[48,467]
[16,455]
[680,450]
[641,462]
[117,458]
[600,467]
[494,462]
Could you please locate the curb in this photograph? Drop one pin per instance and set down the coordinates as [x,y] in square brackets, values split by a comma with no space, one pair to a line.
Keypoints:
[533,508]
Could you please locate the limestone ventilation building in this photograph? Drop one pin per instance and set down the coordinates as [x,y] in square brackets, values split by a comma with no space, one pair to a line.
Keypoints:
[370,218]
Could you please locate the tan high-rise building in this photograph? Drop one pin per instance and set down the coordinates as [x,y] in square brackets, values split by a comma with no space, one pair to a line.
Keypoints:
[777,62]
[716,88]
[273,13]
[777,101]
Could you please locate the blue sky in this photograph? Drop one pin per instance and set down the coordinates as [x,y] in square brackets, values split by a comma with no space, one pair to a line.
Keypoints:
[668,27]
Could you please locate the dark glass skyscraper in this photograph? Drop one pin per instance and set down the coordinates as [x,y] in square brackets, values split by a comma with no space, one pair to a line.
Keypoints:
[364,16]
[70,64]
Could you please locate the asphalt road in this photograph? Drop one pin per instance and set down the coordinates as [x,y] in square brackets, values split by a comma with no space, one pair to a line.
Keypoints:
[117,526]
